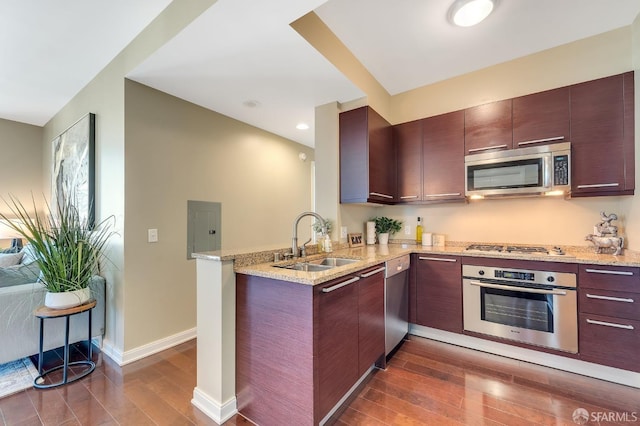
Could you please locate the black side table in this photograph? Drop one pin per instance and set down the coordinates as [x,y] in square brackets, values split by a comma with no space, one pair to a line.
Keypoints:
[44,313]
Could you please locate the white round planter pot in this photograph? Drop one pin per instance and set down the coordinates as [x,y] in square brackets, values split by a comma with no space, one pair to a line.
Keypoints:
[67,299]
[383,239]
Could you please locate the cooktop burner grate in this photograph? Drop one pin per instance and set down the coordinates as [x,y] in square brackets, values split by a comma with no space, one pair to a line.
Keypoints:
[521,249]
[485,247]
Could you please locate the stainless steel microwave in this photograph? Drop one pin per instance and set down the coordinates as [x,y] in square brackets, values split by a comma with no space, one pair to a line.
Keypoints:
[539,170]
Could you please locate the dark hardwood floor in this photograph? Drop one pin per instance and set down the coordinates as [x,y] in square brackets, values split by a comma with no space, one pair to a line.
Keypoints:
[425,383]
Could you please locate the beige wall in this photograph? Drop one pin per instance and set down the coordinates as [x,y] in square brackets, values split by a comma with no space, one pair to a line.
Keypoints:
[104,96]
[20,162]
[534,220]
[176,151]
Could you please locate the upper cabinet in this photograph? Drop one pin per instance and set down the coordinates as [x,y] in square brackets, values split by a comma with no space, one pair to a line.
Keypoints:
[602,137]
[488,127]
[367,158]
[422,161]
[541,118]
[443,157]
[408,140]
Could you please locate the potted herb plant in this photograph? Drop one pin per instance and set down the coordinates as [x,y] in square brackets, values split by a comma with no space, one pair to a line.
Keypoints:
[385,227]
[67,249]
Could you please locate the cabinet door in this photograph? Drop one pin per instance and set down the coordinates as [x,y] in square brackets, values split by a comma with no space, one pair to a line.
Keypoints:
[597,137]
[408,140]
[443,157]
[439,292]
[488,127]
[367,158]
[336,341]
[610,341]
[541,118]
[382,159]
[370,318]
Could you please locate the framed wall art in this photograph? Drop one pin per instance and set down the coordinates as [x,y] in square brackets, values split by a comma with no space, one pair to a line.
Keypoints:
[73,173]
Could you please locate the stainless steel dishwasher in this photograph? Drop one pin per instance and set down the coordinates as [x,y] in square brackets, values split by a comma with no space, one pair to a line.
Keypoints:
[396,302]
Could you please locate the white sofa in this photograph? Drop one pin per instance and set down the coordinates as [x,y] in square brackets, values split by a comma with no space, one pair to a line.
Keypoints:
[20,329]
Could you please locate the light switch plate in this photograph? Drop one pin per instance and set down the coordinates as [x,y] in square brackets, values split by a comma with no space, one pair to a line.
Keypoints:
[152,235]
[343,232]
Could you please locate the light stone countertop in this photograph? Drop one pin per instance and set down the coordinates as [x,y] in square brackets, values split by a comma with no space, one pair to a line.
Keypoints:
[259,261]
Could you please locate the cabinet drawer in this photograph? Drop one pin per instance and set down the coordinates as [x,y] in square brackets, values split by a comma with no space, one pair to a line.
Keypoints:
[614,278]
[610,341]
[616,304]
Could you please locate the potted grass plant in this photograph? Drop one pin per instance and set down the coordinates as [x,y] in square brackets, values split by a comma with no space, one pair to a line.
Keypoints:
[66,248]
[385,227]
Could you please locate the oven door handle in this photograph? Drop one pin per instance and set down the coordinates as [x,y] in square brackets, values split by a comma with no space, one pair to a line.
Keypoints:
[522,289]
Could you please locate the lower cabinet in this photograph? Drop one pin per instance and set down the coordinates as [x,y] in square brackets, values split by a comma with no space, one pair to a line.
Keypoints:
[300,348]
[609,318]
[438,292]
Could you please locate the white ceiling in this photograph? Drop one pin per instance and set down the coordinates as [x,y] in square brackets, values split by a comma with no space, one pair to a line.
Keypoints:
[52,49]
[243,51]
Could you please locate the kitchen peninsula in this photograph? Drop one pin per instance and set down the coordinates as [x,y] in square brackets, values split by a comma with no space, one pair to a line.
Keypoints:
[216,390]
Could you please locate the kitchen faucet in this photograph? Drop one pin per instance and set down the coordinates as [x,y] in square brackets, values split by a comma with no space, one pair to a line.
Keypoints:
[294,241]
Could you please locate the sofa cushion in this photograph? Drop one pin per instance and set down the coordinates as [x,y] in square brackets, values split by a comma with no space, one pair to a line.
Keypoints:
[19,274]
[10,259]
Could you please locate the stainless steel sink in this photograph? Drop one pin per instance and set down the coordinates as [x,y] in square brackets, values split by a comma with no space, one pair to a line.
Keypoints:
[334,261]
[305,266]
[318,264]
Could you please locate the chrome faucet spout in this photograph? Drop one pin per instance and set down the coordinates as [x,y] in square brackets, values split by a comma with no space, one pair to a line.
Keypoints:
[294,241]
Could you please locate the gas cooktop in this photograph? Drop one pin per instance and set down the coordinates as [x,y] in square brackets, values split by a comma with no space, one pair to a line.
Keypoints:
[514,249]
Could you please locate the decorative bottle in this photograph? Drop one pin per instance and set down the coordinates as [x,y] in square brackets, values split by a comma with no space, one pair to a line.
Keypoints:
[419,231]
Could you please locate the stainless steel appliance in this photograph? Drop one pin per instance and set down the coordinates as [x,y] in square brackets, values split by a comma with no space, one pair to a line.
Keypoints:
[513,249]
[539,170]
[396,302]
[534,307]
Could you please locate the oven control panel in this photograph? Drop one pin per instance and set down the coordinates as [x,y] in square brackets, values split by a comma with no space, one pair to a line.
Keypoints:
[515,275]
[556,279]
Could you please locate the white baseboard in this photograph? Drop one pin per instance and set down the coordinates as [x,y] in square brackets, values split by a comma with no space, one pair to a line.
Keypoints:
[571,365]
[218,412]
[124,358]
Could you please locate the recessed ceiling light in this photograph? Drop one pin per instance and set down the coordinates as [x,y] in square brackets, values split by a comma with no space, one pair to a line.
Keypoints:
[251,103]
[302,126]
[465,13]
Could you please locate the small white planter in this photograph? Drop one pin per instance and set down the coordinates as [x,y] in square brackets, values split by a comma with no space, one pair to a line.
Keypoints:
[383,239]
[67,299]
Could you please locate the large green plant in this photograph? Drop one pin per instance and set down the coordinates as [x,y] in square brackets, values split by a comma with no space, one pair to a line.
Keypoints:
[67,249]
[386,225]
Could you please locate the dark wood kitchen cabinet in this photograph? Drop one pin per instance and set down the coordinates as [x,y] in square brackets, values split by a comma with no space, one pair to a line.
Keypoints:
[602,137]
[407,138]
[488,127]
[541,118]
[300,348]
[443,157]
[367,158]
[439,292]
[370,318]
[609,319]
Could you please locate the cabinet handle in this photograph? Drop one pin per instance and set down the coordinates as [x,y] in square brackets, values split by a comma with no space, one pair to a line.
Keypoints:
[450,194]
[375,271]
[610,324]
[486,148]
[342,284]
[609,298]
[406,197]
[605,271]
[598,185]
[518,289]
[377,194]
[437,259]
[556,138]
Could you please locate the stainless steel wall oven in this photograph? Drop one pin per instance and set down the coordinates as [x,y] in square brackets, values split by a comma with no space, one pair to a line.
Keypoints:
[534,307]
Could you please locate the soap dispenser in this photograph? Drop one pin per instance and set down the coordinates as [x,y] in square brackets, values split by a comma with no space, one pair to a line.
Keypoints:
[419,231]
